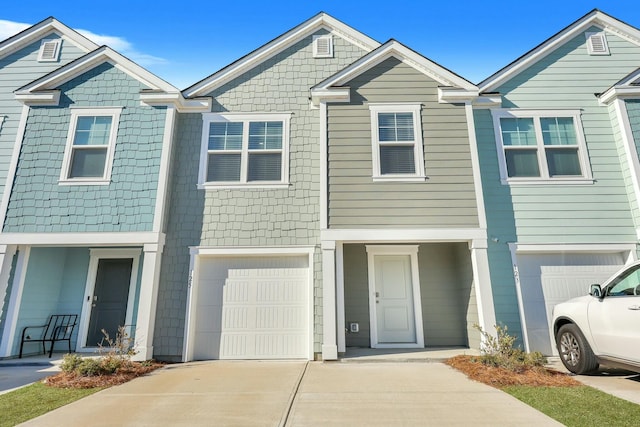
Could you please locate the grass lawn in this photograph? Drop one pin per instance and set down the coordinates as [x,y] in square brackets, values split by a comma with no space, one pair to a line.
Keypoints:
[578,406]
[34,400]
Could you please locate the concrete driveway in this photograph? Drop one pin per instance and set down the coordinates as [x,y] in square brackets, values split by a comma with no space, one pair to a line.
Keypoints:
[247,393]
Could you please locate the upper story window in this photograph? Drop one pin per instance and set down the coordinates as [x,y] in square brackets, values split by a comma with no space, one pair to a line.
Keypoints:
[49,50]
[541,146]
[90,146]
[396,141]
[244,150]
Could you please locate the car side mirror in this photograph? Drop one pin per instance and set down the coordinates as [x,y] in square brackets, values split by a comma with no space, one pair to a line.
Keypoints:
[595,291]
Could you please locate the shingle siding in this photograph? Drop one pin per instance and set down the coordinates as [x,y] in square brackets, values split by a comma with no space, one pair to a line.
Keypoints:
[39,204]
[249,217]
[16,70]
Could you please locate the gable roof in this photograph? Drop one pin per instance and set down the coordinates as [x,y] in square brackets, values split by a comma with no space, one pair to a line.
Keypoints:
[629,86]
[594,18]
[40,30]
[43,91]
[451,82]
[277,45]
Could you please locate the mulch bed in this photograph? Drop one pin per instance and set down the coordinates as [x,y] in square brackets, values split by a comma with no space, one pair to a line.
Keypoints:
[501,377]
[122,375]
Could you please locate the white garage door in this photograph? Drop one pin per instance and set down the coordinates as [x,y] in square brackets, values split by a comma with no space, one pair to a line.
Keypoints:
[549,279]
[253,308]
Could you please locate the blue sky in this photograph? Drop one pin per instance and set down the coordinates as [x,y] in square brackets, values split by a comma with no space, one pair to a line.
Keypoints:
[187,40]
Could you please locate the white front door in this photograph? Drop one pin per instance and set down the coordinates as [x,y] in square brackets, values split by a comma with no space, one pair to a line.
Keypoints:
[396,317]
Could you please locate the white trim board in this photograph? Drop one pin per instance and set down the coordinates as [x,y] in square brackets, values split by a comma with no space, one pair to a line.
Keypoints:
[405,235]
[594,18]
[267,51]
[395,49]
[82,239]
[42,29]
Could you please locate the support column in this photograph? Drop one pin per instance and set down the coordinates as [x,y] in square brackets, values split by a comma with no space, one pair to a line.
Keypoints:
[6,261]
[329,344]
[13,307]
[482,285]
[147,302]
[342,347]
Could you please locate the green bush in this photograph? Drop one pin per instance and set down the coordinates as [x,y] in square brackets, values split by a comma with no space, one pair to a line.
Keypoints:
[90,368]
[500,351]
[70,362]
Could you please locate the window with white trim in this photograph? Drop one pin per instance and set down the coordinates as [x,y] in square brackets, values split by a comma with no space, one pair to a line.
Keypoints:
[244,149]
[396,142]
[541,145]
[49,50]
[90,146]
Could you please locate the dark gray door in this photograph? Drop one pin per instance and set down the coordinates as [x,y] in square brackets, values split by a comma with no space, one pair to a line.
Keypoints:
[110,295]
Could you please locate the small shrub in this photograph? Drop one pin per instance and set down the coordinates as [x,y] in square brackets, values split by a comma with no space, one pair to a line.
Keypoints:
[89,368]
[500,351]
[70,362]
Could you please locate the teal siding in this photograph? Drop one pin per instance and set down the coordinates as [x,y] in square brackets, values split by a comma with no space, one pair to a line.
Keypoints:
[16,70]
[248,217]
[625,163]
[55,281]
[598,212]
[446,199]
[633,111]
[39,204]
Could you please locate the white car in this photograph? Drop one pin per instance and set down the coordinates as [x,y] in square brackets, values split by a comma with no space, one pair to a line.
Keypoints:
[602,327]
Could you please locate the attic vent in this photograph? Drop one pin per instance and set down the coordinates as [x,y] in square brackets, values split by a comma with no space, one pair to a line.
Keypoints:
[597,44]
[323,46]
[49,51]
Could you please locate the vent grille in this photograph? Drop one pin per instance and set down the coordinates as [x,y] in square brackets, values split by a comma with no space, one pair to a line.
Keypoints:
[49,50]
[322,46]
[597,44]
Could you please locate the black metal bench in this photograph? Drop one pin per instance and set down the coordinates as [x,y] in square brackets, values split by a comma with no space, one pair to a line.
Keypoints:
[58,328]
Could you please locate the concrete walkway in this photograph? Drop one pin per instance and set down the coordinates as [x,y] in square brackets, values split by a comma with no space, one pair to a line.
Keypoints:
[246,393]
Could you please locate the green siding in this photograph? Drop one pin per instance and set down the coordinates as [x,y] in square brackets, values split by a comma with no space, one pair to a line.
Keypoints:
[449,307]
[39,204]
[16,70]
[445,199]
[590,213]
[249,217]
[633,112]
[598,212]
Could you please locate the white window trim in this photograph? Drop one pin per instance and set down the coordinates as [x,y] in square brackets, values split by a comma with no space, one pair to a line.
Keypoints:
[316,53]
[208,118]
[56,53]
[418,142]
[66,162]
[544,177]
[590,43]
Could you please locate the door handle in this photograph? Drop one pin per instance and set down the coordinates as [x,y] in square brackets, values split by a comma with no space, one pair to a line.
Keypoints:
[634,307]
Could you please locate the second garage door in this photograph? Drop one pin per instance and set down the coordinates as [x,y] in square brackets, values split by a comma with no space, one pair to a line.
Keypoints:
[253,308]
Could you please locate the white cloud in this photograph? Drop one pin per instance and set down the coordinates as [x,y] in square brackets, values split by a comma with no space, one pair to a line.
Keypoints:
[120,44]
[9,28]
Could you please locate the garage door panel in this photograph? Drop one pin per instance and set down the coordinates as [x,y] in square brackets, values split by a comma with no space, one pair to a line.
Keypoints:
[548,279]
[259,307]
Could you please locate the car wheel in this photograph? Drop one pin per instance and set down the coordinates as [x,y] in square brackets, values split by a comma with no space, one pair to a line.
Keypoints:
[575,353]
